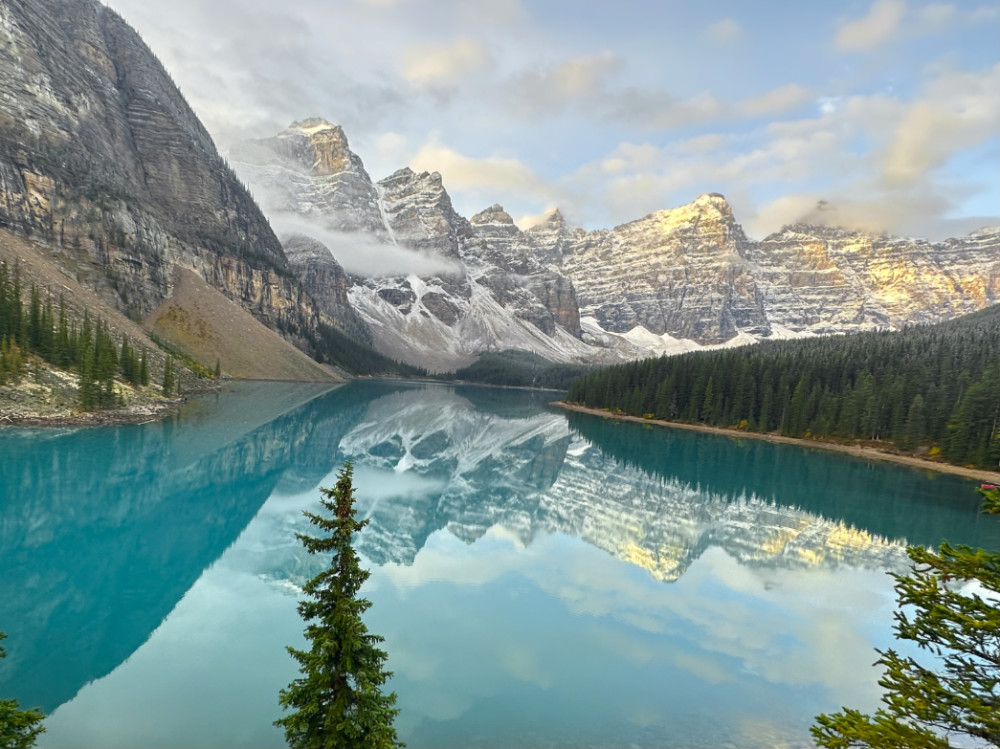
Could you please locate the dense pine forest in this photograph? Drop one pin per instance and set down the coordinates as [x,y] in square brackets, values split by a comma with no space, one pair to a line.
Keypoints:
[927,389]
[43,329]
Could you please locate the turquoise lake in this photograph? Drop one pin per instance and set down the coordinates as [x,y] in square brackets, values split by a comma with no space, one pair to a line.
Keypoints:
[542,579]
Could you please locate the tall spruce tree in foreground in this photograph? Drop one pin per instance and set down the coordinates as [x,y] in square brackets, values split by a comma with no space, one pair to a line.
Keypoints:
[338,701]
[958,695]
[18,728]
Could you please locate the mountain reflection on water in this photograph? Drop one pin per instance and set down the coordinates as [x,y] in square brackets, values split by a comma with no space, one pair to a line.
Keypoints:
[103,531]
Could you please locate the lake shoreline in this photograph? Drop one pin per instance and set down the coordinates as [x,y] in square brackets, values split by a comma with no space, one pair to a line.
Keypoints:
[858,451]
[130,415]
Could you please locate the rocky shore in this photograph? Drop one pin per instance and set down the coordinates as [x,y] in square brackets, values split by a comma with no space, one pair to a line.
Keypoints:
[47,397]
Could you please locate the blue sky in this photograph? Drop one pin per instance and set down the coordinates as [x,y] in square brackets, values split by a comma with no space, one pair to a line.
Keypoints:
[889,110]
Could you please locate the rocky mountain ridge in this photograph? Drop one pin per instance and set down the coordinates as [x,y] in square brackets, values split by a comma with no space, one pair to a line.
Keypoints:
[484,293]
[675,280]
[105,167]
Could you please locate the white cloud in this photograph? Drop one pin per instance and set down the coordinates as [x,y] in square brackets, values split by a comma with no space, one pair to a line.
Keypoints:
[828,104]
[776,101]
[934,16]
[534,219]
[492,173]
[873,29]
[549,90]
[876,158]
[363,254]
[430,64]
[632,157]
[957,111]
[725,31]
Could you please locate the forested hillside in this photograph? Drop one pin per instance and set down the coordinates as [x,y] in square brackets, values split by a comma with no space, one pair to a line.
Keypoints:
[932,389]
[88,349]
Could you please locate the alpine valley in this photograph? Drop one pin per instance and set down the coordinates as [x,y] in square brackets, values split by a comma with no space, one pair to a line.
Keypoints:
[114,197]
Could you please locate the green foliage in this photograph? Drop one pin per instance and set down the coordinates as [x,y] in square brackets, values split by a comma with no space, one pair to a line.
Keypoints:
[960,693]
[928,388]
[195,367]
[338,701]
[991,501]
[519,369]
[169,384]
[90,349]
[334,347]
[19,729]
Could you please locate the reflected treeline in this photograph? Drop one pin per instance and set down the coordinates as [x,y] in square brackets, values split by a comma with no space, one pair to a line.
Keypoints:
[102,531]
[653,497]
[894,502]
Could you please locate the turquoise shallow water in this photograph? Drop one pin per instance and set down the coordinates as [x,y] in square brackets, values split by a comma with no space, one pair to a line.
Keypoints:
[541,578]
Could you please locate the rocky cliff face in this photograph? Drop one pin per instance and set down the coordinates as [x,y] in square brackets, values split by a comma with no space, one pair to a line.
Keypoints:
[683,272]
[830,280]
[309,170]
[498,295]
[691,272]
[103,160]
[326,282]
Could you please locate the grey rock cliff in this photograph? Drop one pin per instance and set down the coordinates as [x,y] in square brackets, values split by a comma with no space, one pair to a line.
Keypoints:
[691,272]
[103,160]
[498,295]
[682,271]
[310,170]
[326,282]
[831,280]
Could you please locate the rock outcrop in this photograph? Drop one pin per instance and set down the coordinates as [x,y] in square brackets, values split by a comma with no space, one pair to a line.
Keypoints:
[683,272]
[326,282]
[103,160]
[832,280]
[497,295]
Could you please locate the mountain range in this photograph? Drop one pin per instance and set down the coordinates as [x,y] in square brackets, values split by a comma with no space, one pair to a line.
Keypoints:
[671,281]
[110,181]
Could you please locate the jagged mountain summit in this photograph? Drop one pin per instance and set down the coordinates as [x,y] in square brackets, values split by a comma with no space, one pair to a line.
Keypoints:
[482,294]
[675,280]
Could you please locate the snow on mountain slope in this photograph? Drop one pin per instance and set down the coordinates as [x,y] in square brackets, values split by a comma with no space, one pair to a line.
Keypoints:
[673,281]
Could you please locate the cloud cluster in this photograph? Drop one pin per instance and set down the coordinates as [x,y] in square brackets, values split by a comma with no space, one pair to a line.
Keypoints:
[614,118]
[487,177]
[364,254]
[873,29]
[878,156]
[592,84]
[435,64]
[888,20]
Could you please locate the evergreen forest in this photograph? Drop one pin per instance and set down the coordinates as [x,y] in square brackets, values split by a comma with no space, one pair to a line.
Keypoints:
[515,368]
[42,329]
[931,390]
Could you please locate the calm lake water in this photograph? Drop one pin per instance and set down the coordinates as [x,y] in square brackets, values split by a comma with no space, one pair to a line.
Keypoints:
[541,578]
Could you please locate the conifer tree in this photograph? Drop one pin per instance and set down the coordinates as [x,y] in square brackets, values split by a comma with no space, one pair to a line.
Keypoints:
[958,694]
[168,376]
[338,701]
[18,728]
